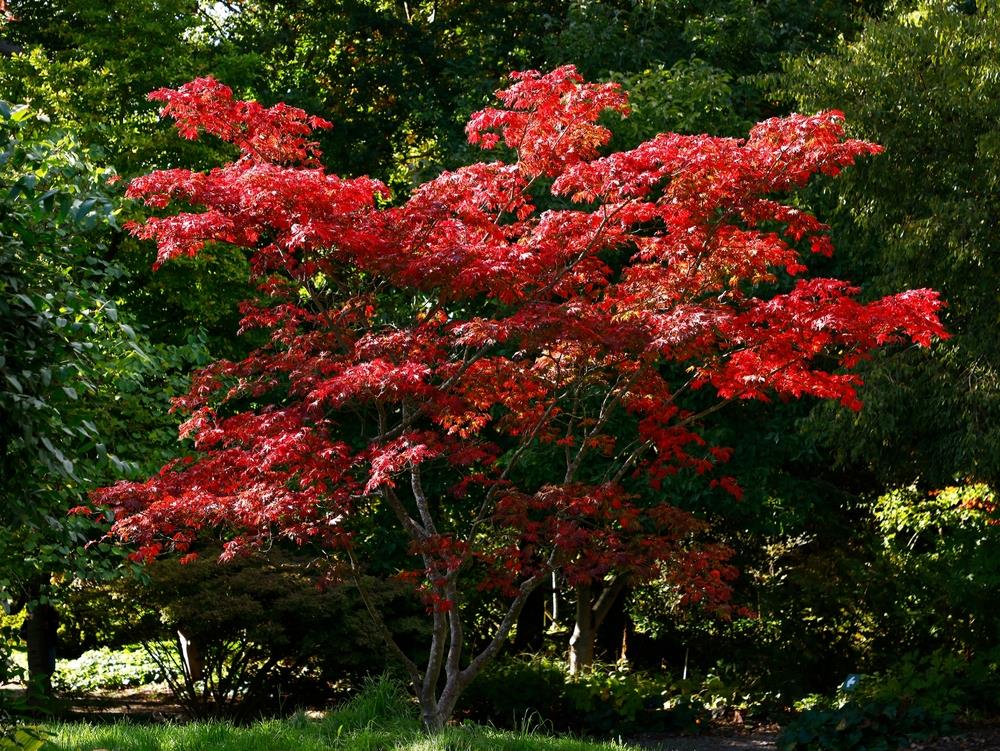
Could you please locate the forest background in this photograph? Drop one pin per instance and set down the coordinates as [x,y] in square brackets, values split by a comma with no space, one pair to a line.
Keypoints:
[863,540]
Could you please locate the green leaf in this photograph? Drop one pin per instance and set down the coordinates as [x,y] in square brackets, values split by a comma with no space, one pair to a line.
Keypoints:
[84,208]
[20,113]
[12,380]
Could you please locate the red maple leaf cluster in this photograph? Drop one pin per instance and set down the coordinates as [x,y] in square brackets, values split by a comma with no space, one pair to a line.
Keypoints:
[505,362]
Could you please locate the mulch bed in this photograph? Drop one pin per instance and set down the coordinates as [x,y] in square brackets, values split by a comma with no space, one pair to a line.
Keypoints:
[751,740]
[983,736]
[140,705]
[980,737]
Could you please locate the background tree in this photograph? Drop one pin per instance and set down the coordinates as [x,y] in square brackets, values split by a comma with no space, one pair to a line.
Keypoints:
[64,351]
[925,81]
[88,64]
[394,76]
[710,57]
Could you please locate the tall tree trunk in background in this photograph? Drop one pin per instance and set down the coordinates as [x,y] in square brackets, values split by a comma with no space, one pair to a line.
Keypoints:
[39,633]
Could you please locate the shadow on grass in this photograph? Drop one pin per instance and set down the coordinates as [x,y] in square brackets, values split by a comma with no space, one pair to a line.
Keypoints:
[380,718]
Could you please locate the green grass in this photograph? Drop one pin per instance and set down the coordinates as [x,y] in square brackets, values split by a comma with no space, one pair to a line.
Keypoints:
[381,718]
[286,736]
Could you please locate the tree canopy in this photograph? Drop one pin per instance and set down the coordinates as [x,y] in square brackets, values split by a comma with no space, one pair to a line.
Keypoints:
[417,353]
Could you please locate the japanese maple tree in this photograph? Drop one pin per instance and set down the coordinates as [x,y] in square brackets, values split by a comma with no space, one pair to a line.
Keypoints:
[424,359]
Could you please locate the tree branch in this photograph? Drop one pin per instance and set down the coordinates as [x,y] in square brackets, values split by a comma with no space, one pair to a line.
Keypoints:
[383,629]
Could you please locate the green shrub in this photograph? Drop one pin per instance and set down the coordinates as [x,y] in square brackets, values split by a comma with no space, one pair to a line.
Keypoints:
[941,546]
[93,615]
[607,700]
[918,698]
[511,689]
[268,639]
[855,726]
[106,668]
[603,700]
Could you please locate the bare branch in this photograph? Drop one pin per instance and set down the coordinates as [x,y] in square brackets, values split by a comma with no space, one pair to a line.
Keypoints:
[382,628]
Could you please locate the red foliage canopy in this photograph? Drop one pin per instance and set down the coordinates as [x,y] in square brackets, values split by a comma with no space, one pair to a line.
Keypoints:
[505,361]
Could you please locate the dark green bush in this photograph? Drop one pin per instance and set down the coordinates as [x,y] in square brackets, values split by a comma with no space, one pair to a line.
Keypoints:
[100,615]
[856,726]
[268,637]
[919,698]
[605,700]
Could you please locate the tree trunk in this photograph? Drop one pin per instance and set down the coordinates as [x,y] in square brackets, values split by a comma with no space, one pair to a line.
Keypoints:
[435,712]
[447,641]
[590,614]
[581,643]
[529,636]
[39,632]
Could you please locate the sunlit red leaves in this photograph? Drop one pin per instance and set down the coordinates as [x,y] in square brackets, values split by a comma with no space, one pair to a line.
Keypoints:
[300,210]
[262,475]
[272,134]
[775,342]
[550,119]
[463,329]
[406,451]
[371,381]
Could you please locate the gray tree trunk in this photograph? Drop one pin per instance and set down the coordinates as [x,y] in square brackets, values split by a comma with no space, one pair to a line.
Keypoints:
[590,614]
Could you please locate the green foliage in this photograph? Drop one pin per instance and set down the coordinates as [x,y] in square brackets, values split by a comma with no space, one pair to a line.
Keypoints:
[101,615]
[90,63]
[691,96]
[102,669]
[918,698]
[942,550]
[602,701]
[23,738]
[11,669]
[64,347]
[805,559]
[925,83]
[267,636]
[738,38]
[871,726]
[593,702]
[393,77]
[61,334]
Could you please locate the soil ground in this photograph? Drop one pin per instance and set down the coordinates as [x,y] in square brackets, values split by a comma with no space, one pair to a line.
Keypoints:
[757,740]
[982,737]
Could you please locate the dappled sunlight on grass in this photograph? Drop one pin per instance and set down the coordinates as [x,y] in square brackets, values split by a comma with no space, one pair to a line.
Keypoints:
[202,736]
[381,718]
[294,735]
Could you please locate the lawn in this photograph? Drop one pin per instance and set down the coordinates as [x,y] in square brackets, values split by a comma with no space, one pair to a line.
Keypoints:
[307,735]
[381,717]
